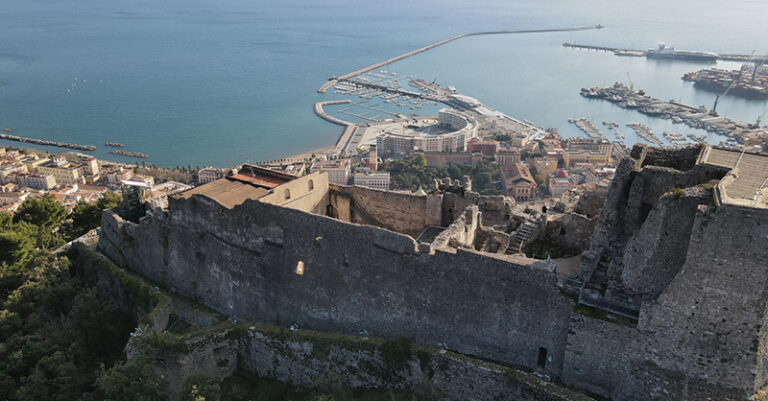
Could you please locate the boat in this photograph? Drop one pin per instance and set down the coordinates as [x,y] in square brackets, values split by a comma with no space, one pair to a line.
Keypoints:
[664,51]
[7,130]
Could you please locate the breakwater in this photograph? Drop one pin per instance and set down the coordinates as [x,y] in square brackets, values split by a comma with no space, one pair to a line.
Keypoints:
[641,53]
[334,80]
[349,128]
[129,154]
[46,142]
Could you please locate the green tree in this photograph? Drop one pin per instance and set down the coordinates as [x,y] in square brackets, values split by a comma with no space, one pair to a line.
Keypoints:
[201,388]
[45,212]
[133,381]
[87,216]
[16,248]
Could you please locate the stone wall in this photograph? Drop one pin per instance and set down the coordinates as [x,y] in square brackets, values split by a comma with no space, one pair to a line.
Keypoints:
[243,262]
[634,192]
[657,251]
[571,232]
[403,213]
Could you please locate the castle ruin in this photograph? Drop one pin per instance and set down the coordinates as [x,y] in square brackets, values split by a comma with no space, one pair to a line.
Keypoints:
[668,303]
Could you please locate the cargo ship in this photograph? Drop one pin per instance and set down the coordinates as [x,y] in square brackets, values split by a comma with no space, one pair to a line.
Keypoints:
[664,51]
[750,81]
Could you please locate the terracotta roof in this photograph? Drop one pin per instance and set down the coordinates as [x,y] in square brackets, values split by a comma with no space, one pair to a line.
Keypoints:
[260,180]
[229,193]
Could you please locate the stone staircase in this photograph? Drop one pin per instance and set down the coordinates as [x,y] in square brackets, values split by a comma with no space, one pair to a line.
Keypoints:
[523,235]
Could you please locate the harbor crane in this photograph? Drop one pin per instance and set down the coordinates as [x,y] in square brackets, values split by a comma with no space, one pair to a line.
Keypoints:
[760,118]
[717,98]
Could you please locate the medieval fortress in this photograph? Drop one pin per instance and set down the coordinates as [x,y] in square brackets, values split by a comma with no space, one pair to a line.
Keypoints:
[668,303]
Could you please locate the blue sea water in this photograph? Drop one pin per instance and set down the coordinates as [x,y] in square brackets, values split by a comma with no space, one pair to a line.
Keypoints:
[222,82]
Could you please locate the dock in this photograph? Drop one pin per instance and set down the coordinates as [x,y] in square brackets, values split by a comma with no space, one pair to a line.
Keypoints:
[332,81]
[694,117]
[642,53]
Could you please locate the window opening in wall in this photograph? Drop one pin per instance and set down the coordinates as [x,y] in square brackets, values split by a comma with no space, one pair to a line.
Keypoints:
[542,357]
[287,194]
[300,268]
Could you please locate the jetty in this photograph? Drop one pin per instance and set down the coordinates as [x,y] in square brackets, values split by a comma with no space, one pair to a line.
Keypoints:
[129,154]
[57,144]
[619,51]
[349,128]
[332,81]
[588,126]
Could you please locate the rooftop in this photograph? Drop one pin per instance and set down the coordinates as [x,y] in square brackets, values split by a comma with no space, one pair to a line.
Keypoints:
[746,184]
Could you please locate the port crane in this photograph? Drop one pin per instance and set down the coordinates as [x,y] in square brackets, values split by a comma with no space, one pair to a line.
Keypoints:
[760,118]
[717,98]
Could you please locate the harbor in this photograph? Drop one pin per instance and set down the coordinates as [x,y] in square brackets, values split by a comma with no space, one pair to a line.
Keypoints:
[332,81]
[678,113]
[750,81]
[588,127]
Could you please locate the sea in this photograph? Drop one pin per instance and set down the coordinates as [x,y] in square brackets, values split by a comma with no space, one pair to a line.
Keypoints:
[203,82]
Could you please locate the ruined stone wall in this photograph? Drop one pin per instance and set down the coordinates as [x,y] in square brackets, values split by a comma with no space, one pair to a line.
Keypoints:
[243,262]
[708,319]
[634,192]
[570,232]
[657,251]
[403,213]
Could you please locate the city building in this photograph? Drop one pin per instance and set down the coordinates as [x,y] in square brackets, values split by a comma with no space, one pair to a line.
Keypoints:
[375,180]
[580,150]
[36,181]
[449,135]
[209,174]
[519,182]
[488,148]
[338,170]
[507,156]
[65,172]
[544,165]
[560,182]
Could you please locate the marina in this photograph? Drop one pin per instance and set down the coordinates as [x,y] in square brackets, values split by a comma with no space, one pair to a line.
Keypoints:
[694,117]
[677,140]
[613,126]
[588,126]
[646,133]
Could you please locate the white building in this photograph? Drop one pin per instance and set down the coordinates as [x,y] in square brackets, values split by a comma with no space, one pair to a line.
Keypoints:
[379,180]
[338,170]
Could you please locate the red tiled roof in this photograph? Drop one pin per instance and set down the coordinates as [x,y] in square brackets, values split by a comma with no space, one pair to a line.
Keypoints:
[261,180]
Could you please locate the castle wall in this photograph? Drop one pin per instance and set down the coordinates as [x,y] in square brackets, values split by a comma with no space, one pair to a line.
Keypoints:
[657,251]
[403,213]
[308,193]
[707,322]
[244,261]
